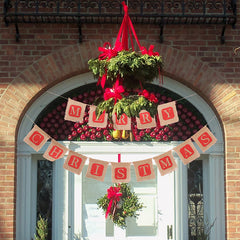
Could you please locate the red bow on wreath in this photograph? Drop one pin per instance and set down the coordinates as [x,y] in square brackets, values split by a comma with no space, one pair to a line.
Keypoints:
[114,195]
[114,92]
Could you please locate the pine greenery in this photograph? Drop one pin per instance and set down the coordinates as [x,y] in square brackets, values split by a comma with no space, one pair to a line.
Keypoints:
[42,229]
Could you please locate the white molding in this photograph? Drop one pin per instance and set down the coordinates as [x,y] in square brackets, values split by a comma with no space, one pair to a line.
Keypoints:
[62,180]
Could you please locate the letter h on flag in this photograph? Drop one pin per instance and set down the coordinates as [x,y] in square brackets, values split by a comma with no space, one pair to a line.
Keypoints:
[36,138]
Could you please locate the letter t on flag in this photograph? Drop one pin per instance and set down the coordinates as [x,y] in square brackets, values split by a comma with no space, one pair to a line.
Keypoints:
[144,170]
[36,138]
[187,152]
[75,162]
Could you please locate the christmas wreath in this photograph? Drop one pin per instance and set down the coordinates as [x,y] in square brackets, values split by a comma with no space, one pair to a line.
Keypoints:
[119,203]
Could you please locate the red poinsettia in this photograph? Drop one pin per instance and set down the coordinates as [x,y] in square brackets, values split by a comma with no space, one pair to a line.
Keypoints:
[115,92]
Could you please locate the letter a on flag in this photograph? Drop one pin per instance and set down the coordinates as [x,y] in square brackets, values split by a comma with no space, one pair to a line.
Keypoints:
[120,172]
[145,120]
[167,113]
[165,163]
[123,123]
[75,162]
[144,170]
[97,169]
[204,138]
[36,138]
[97,122]
[55,151]
[74,111]
[187,152]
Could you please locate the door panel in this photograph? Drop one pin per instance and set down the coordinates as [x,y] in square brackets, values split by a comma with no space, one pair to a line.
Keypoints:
[156,195]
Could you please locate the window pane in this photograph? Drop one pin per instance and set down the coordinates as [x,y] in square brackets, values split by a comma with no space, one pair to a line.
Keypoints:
[44,192]
[195,200]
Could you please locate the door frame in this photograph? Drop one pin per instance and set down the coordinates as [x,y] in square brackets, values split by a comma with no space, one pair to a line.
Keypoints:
[214,166]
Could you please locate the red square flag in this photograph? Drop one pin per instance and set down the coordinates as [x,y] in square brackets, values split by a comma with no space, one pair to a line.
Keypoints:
[74,111]
[74,162]
[145,120]
[120,172]
[55,151]
[97,169]
[97,122]
[144,170]
[36,138]
[187,151]
[165,163]
[167,113]
[123,123]
[204,138]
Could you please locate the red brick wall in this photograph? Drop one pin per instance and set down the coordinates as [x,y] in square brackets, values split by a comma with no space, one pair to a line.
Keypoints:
[47,54]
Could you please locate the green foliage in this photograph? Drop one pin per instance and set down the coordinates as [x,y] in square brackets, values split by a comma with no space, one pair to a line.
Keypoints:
[127,206]
[132,67]
[42,229]
[131,106]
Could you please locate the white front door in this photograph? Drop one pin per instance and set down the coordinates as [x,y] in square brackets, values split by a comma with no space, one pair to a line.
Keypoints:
[156,219]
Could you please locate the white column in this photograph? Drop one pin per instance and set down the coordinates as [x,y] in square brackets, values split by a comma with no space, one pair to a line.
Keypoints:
[216,196]
[23,214]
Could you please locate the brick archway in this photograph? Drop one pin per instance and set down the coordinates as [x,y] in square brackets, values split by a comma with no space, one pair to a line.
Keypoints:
[72,60]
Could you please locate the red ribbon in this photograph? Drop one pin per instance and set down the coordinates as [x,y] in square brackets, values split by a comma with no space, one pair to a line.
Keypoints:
[114,195]
[107,52]
[150,51]
[114,92]
[150,96]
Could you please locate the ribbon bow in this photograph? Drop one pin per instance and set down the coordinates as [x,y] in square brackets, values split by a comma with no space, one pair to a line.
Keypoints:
[150,51]
[114,92]
[107,52]
[114,195]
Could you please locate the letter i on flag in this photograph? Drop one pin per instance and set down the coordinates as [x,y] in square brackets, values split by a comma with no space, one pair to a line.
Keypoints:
[97,169]
[74,111]
[165,163]
[55,151]
[120,172]
[187,152]
[204,138]
[36,138]
[167,113]
[75,162]
[144,170]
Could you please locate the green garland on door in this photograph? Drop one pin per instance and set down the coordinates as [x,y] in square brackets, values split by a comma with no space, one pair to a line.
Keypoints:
[126,205]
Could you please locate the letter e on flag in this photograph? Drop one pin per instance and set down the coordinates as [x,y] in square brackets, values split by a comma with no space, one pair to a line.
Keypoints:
[167,113]
[97,169]
[204,138]
[36,138]
[187,151]
[74,111]
[97,122]
[75,162]
[165,163]
[55,151]
[145,120]
[144,170]
[120,172]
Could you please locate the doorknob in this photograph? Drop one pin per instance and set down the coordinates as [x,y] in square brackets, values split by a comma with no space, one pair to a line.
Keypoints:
[169,232]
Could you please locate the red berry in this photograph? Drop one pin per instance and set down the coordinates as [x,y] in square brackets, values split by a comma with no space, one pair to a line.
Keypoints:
[189,114]
[110,126]
[42,125]
[165,138]
[85,128]
[197,122]
[54,112]
[56,125]
[109,137]
[164,98]
[179,106]
[194,118]
[87,134]
[93,130]
[80,97]
[184,137]
[183,116]
[74,133]
[83,137]
[98,134]
[148,130]
[156,129]
[99,92]
[188,133]
[59,108]
[50,115]
[75,98]
[184,128]
[62,137]
[161,132]
[169,99]
[166,129]
[175,129]
[98,129]
[170,134]
[175,138]
[64,105]
[158,137]
[153,134]
[55,136]
[191,125]
[79,130]
[92,137]
[141,133]
[187,120]
[185,110]
[137,138]
[105,132]
[45,119]
[60,130]
[86,94]
[92,93]
[180,134]
[76,125]
[70,137]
